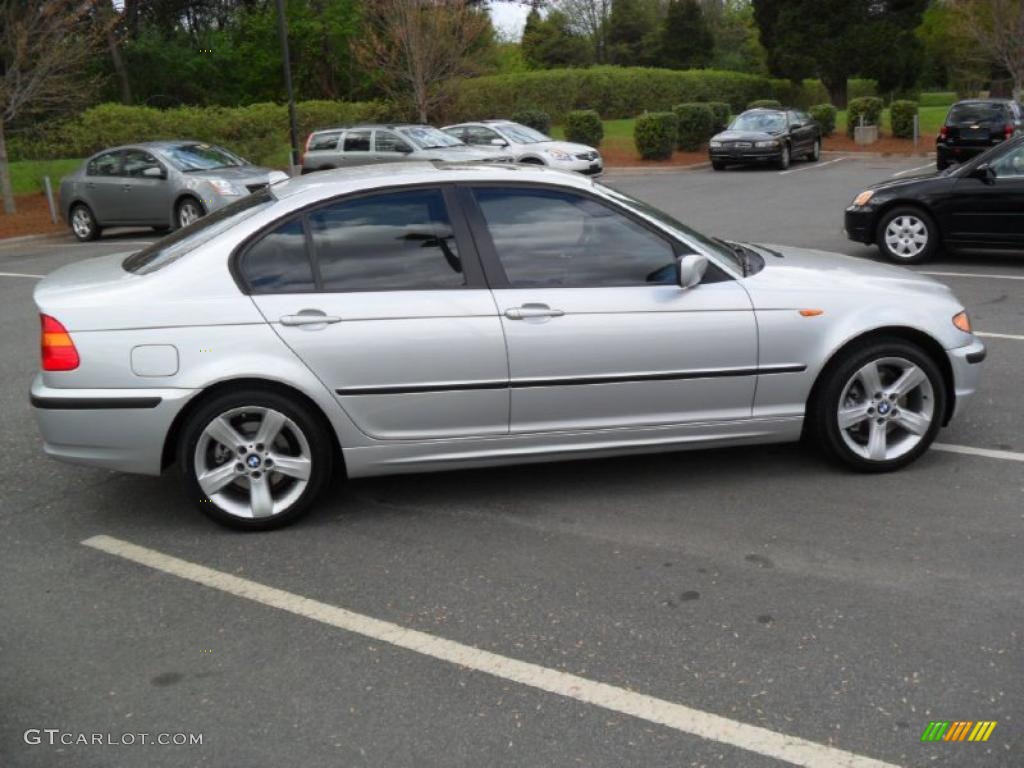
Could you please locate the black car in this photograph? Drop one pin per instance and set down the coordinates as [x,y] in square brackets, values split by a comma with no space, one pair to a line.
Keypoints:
[974,125]
[976,206]
[760,136]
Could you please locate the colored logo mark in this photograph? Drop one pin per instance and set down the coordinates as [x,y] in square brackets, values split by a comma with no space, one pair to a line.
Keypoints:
[958,730]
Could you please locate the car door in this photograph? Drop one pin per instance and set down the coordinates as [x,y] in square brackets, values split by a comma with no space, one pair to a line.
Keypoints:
[146,199]
[355,148]
[800,131]
[103,192]
[321,151]
[389,147]
[382,296]
[599,333]
[990,211]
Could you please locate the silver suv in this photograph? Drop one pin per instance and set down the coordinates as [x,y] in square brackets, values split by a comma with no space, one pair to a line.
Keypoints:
[528,145]
[366,144]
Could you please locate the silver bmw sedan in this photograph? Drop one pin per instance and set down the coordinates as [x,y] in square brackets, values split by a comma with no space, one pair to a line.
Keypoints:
[421,316]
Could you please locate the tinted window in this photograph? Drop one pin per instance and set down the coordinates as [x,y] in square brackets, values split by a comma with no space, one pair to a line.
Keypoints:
[278,262]
[976,113]
[388,142]
[107,164]
[357,141]
[1010,164]
[321,141]
[135,161]
[555,238]
[395,241]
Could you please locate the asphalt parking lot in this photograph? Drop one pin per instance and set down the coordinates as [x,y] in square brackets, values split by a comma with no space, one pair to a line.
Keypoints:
[745,607]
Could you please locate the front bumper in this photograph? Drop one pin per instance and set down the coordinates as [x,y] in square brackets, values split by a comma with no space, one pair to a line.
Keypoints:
[966,365]
[859,224]
[745,154]
[120,429]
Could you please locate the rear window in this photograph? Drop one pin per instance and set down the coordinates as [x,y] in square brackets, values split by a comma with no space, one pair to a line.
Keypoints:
[174,246]
[976,113]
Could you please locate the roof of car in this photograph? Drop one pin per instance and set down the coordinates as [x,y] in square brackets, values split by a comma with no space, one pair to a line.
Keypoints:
[345,180]
[392,126]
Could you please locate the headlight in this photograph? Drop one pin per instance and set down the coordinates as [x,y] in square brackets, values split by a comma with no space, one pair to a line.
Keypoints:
[559,154]
[771,143]
[224,187]
[863,197]
[716,143]
[962,321]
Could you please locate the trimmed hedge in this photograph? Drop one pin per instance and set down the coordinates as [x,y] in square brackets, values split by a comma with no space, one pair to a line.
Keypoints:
[537,119]
[722,112]
[258,131]
[584,126]
[764,104]
[870,107]
[901,117]
[825,114]
[655,135]
[696,125]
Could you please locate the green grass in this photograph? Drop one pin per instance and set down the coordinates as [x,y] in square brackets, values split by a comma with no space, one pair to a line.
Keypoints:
[27,175]
[613,129]
[937,99]
[931,119]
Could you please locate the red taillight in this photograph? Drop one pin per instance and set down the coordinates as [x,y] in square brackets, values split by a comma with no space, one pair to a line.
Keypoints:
[305,149]
[944,132]
[1008,131]
[59,353]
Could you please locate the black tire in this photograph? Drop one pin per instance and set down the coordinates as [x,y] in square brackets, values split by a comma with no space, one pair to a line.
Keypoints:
[910,213]
[162,230]
[302,417]
[815,154]
[718,165]
[187,203]
[941,164]
[83,223]
[784,158]
[823,410]
[531,161]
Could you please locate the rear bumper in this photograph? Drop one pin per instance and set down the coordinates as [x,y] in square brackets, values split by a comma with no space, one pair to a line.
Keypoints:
[959,153]
[120,429]
[966,365]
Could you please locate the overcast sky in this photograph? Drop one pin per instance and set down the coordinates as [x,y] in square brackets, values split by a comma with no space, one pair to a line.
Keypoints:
[509,18]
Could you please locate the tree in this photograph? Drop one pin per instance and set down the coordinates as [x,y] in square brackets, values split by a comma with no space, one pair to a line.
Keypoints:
[836,39]
[737,42]
[551,42]
[590,18]
[44,46]
[686,41]
[420,47]
[632,36]
[997,28]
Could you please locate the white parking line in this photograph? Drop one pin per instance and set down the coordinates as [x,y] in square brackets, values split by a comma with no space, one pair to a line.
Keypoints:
[988,453]
[21,274]
[752,738]
[812,167]
[911,170]
[1012,336]
[971,274]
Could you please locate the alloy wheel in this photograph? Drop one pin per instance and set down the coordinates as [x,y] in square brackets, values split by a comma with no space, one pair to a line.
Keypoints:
[253,462]
[886,409]
[187,213]
[816,150]
[81,223]
[906,236]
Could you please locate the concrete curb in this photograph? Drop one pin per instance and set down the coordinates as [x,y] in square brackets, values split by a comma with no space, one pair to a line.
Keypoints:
[28,238]
[654,168]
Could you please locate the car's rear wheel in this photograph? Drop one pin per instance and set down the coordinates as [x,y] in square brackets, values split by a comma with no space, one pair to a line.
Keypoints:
[83,223]
[907,235]
[784,157]
[815,154]
[254,459]
[188,210]
[880,407]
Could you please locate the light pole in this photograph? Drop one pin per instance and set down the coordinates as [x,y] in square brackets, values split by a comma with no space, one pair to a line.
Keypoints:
[282,31]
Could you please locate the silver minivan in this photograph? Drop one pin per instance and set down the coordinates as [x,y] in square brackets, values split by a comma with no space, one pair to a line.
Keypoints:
[366,144]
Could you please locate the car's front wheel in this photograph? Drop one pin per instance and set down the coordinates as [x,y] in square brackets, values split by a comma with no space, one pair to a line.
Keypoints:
[83,223]
[188,210]
[784,157]
[879,407]
[254,459]
[907,235]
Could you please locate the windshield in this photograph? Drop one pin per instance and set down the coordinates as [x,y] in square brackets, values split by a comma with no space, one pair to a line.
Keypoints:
[963,114]
[762,122]
[174,246]
[522,134]
[425,137]
[201,157]
[707,243]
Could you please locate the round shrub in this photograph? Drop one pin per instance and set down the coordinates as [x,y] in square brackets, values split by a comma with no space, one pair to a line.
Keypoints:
[696,125]
[722,111]
[655,135]
[901,115]
[537,119]
[825,114]
[584,126]
[765,104]
[868,107]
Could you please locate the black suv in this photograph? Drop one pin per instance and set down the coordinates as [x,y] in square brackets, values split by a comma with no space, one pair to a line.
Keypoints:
[973,126]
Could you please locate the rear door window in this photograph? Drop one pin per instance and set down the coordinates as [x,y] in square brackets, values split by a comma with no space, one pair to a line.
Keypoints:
[357,141]
[279,261]
[107,164]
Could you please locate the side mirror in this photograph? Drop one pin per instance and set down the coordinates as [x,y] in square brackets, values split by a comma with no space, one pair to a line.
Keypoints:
[499,143]
[154,172]
[984,172]
[692,267]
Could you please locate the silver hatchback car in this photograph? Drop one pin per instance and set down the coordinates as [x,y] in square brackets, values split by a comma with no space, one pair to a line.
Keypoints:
[159,184]
[420,316]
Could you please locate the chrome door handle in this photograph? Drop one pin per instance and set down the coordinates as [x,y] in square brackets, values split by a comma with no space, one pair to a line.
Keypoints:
[532,310]
[308,318]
